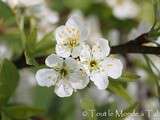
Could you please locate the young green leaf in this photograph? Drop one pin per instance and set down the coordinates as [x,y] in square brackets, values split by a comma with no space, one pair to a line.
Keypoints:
[9,78]
[6,13]
[45,44]
[4,117]
[41,48]
[119,90]
[30,60]
[31,39]
[129,77]
[21,112]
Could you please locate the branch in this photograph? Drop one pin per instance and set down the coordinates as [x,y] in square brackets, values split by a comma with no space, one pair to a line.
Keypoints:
[125,49]
[133,46]
[136,46]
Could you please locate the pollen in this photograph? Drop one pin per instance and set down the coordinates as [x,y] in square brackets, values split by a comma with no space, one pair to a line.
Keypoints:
[63,72]
[93,64]
[74,37]
[72,42]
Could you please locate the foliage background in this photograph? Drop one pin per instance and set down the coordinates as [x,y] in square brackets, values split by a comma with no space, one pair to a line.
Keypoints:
[21,99]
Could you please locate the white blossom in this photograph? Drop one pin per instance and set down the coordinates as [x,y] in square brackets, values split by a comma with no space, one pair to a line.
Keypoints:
[64,74]
[46,20]
[91,23]
[158,40]
[23,3]
[74,40]
[114,37]
[24,90]
[97,65]
[94,28]
[5,51]
[123,9]
[143,27]
[103,98]
[70,36]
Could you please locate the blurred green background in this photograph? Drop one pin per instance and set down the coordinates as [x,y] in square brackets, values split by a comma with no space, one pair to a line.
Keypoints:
[25,41]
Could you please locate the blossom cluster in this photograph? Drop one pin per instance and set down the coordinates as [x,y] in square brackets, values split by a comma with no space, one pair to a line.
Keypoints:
[78,60]
[124,9]
[44,17]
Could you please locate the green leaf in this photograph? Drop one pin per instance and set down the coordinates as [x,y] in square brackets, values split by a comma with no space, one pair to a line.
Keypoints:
[45,44]
[87,105]
[4,117]
[6,13]
[30,47]
[31,39]
[21,112]
[30,60]
[9,78]
[13,41]
[41,48]
[119,90]
[129,77]
[78,4]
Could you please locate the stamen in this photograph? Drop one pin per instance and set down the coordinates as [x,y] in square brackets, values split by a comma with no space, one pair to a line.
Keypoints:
[93,64]
[74,38]
[63,72]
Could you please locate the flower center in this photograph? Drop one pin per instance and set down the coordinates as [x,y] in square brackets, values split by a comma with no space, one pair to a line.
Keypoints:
[63,72]
[74,37]
[93,64]
[72,42]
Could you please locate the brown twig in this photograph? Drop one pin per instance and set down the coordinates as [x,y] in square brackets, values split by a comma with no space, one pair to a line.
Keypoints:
[136,46]
[126,49]
[133,46]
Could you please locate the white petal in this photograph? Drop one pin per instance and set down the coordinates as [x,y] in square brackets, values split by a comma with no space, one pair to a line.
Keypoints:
[61,35]
[85,54]
[101,48]
[78,80]
[97,53]
[113,67]
[54,60]
[63,89]
[100,80]
[126,10]
[76,51]
[63,51]
[74,21]
[143,27]
[72,64]
[77,22]
[51,16]
[46,77]
[28,3]
[86,67]
[104,45]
